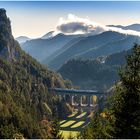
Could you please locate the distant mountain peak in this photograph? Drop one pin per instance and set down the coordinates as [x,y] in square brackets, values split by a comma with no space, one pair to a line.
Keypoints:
[22,39]
[48,35]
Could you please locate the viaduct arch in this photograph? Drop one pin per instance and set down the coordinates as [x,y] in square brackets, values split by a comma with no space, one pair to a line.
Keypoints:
[79,98]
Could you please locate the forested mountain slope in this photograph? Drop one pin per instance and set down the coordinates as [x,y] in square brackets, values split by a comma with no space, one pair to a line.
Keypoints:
[42,49]
[26,106]
[103,44]
[99,73]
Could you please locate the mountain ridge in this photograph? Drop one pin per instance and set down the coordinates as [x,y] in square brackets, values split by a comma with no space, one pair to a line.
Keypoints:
[48,35]
[43,48]
[105,43]
[22,39]
[98,73]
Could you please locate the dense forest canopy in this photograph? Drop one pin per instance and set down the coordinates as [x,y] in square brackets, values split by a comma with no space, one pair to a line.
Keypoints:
[100,73]
[120,118]
[27,108]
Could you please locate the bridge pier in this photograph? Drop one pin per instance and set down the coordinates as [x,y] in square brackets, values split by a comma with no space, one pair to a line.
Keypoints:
[72,101]
[87,98]
[93,100]
[76,97]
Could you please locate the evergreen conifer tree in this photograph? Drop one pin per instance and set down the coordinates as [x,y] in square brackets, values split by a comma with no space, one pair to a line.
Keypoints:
[126,107]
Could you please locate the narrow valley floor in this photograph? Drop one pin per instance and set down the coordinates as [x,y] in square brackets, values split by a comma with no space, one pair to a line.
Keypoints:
[74,123]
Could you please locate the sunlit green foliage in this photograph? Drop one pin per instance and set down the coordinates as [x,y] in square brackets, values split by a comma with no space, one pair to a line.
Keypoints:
[122,117]
[24,97]
[126,105]
[26,107]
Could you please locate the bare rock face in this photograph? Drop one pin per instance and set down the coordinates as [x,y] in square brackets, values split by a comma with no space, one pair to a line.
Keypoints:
[7,42]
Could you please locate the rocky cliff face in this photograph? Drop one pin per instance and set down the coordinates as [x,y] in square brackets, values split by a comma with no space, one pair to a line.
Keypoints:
[7,42]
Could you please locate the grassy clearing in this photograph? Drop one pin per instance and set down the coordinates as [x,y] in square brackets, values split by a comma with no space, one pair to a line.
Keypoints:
[62,121]
[68,123]
[69,134]
[81,115]
[73,122]
[73,114]
[86,124]
[78,124]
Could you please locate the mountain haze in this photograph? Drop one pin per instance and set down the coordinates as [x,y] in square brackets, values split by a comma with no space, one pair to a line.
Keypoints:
[44,48]
[103,44]
[134,27]
[54,51]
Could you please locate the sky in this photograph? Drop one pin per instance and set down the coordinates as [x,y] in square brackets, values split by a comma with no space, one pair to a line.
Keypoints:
[34,19]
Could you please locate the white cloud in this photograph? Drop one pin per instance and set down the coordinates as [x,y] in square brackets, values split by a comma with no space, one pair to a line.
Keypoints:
[76,25]
[129,32]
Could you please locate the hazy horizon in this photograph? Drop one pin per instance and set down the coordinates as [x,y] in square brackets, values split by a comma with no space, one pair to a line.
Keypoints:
[34,19]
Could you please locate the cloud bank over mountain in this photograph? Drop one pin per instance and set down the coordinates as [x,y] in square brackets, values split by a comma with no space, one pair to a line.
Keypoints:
[76,25]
